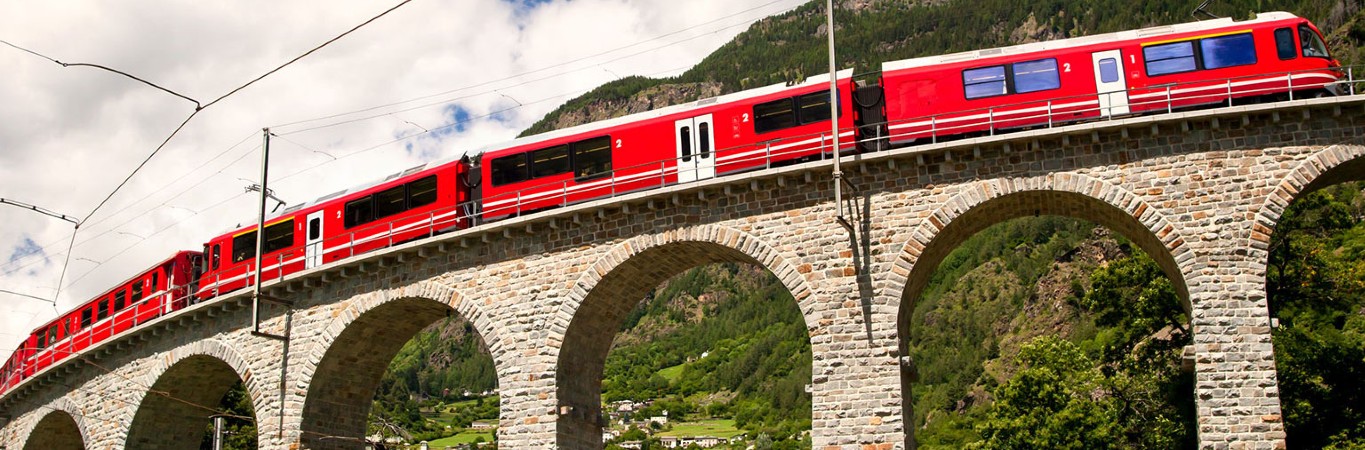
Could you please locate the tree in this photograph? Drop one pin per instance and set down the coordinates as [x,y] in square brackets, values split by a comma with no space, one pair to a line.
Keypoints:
[1058,400]
[1316,287]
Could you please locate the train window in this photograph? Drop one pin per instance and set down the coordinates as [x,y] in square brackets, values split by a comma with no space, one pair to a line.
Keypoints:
[1170,58]
[774,115]
[704,140]
[685,143]
[1228,51]
[155,280]
[1311,43]
[279,236]
[244,246]
[813,107]
[217,251]
[1284,44]
[592,158]
[137,291]
[1109,70]
[423,192]
[1034,76]
[984,82]
[390,201]
[550,161]
[85,318]
[52,335]
[359,212]
[314,228]
[510,169]
[120,301]
[102,311]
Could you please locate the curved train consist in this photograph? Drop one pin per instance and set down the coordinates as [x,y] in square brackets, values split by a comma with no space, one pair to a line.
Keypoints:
[1274,56]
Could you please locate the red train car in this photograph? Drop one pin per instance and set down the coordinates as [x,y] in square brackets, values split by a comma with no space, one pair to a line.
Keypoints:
[748,130]
[158,290]
[1130,72]
[414,203]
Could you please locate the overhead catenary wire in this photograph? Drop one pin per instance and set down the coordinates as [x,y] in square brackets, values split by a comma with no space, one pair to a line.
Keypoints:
[184,191]
[230,93]
[426,131]
[162,188]
[98,66]
[198,107]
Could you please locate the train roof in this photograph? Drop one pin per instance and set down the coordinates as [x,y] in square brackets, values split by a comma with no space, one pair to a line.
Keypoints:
[1083,41]
[813,80]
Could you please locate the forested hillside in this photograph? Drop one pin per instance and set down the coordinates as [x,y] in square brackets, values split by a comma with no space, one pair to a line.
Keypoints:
[1037,333]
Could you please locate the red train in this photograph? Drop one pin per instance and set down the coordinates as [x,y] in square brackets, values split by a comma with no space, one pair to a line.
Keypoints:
[1159,69]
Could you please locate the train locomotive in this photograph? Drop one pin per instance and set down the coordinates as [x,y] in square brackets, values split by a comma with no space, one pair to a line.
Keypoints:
[1215,62]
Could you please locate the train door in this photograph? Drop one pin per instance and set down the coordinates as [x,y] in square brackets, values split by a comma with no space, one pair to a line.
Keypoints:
[696,144]
[1109,83]
[313,247]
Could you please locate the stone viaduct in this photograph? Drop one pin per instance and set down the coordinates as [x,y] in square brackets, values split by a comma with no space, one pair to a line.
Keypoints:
[1199,191]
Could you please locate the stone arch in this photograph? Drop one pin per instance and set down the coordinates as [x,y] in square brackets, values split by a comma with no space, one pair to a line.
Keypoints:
[601,297]
[352,353]
[61,428]
[184,386]
[1331,165]
[979,205]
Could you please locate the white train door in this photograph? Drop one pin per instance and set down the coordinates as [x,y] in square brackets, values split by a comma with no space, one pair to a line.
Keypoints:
[312,250]
[1109,83]
[696,148]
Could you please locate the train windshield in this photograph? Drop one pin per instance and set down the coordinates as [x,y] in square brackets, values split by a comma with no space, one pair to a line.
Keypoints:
[1311,43]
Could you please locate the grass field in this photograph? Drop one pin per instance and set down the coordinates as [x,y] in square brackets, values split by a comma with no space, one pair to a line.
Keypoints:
[671,373]
[724,428]
[462,438]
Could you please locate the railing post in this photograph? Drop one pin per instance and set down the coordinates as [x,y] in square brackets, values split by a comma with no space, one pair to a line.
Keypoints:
[933,129]
[564,192]
[990,120]
[431,224]
[1049,113]
[390,234]
[1229,86]
[768,153]
[1169,107]
[1351,79]
[1289,80]
[351,237]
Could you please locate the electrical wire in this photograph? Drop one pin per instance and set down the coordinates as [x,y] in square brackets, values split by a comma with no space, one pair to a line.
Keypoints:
[230,93]
[97,66]
[9,265]
[199,108]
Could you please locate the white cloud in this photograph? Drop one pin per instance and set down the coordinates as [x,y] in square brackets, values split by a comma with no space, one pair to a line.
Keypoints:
[69,135]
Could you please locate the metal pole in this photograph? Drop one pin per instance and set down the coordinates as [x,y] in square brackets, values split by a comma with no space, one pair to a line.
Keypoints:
[260,232]
[218,433]
[834,110]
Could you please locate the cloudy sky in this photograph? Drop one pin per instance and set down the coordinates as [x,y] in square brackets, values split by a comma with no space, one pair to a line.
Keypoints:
[428,81]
